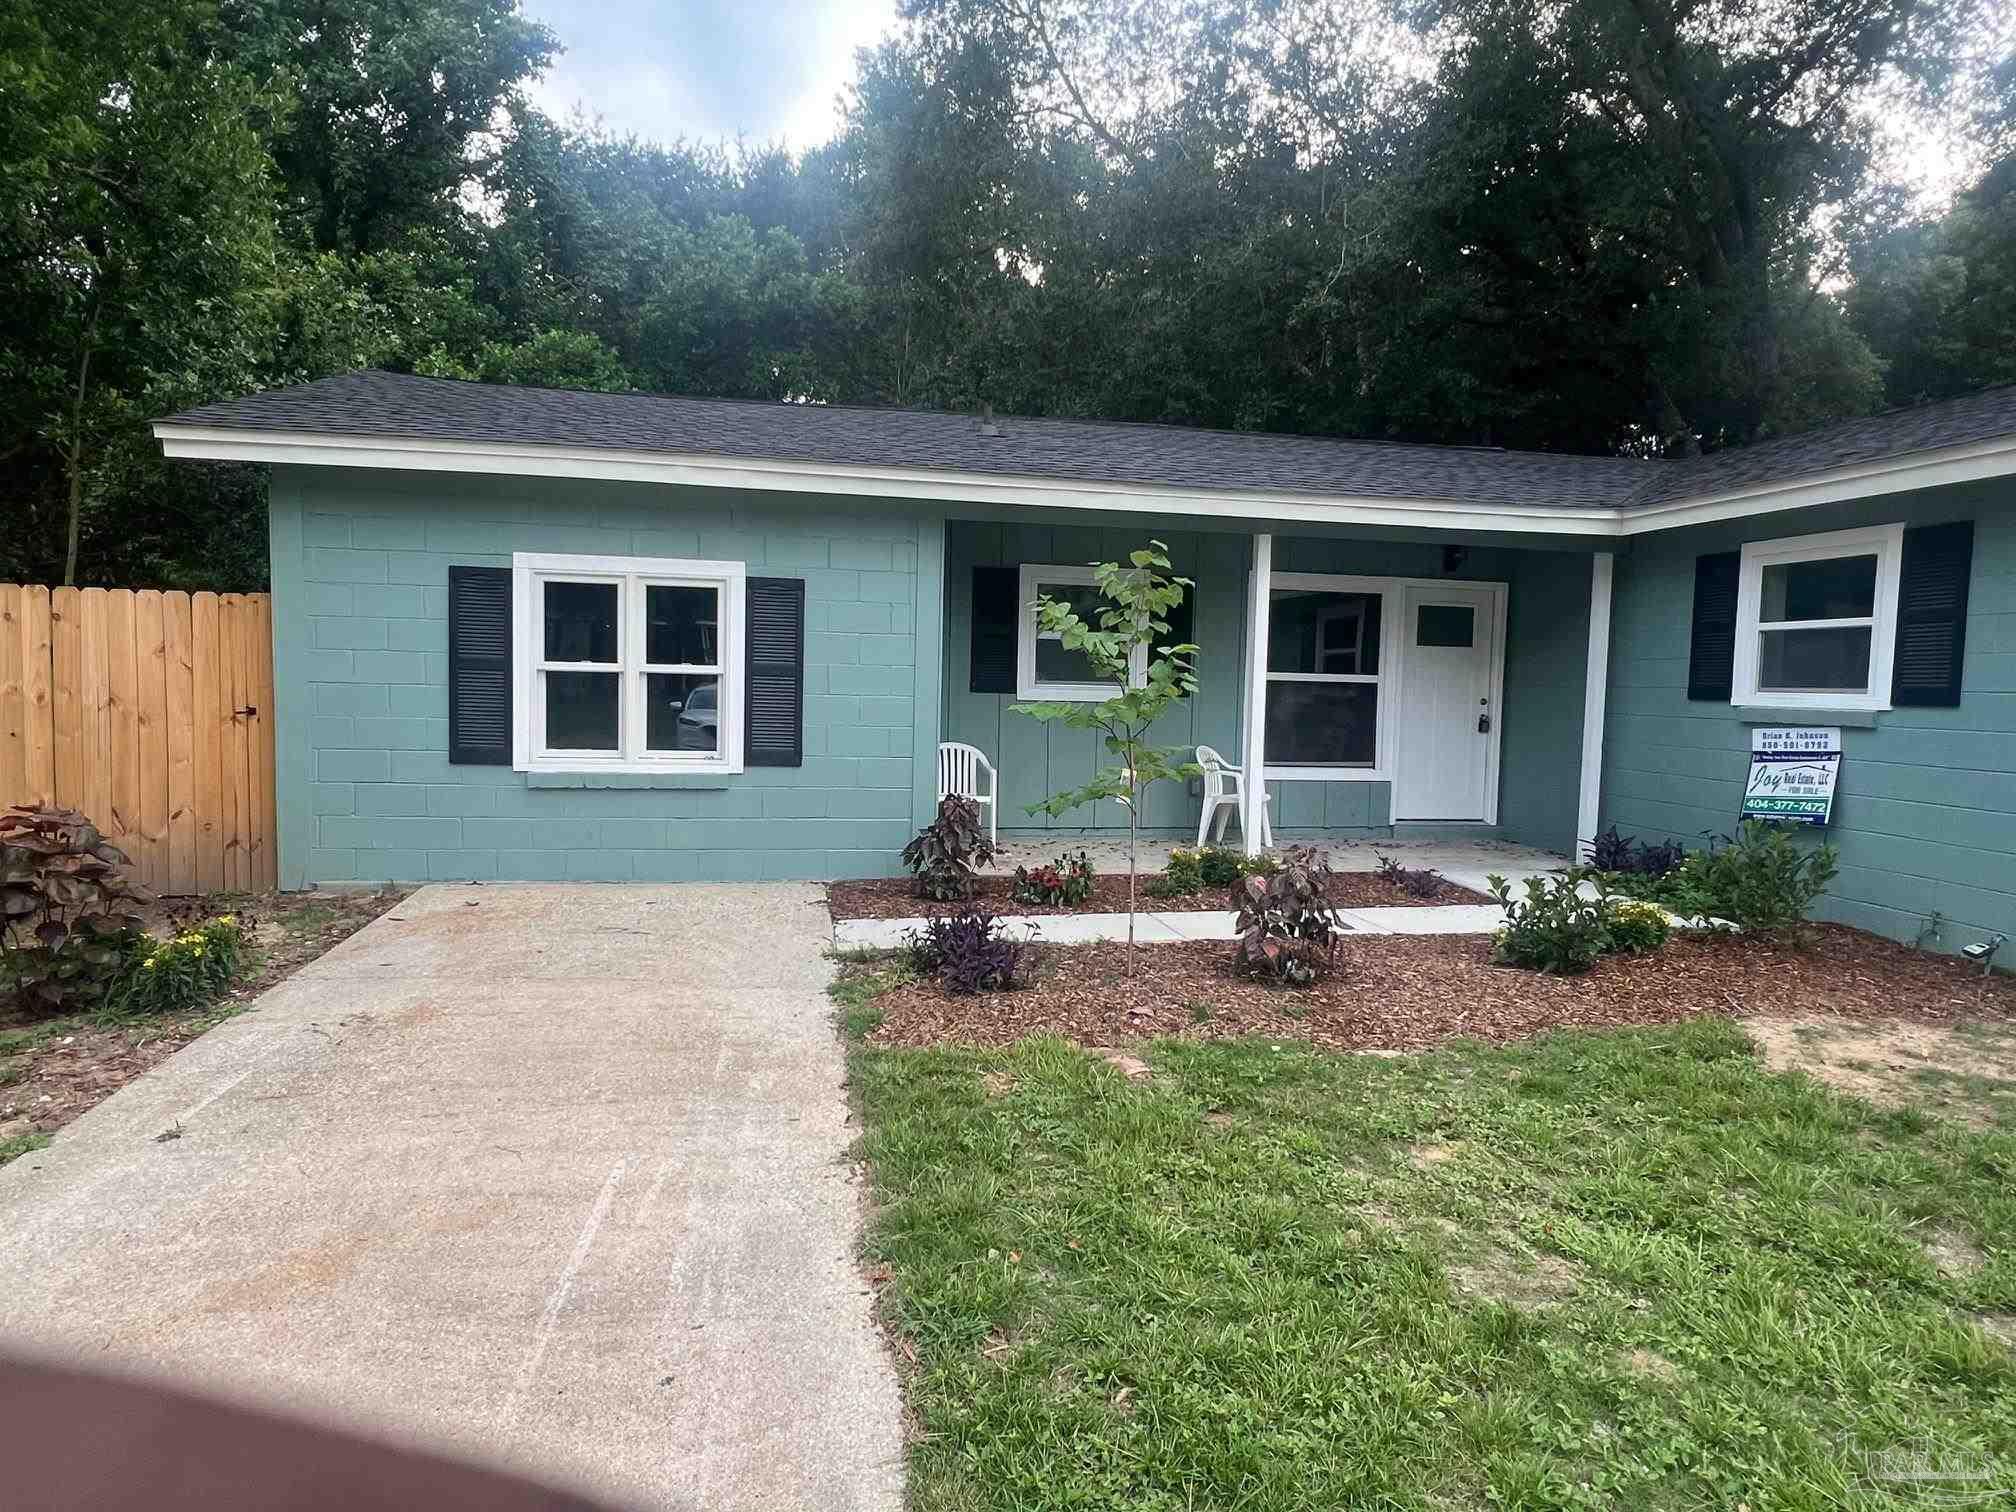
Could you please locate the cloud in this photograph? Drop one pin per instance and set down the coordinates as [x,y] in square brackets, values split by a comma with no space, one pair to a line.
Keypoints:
[708,69]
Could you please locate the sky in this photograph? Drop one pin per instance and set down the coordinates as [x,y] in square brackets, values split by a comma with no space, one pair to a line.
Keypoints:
[707,69]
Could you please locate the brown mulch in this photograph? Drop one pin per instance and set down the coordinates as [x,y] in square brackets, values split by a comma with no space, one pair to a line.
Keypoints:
[46,1085]
[1409,992]
[895,898]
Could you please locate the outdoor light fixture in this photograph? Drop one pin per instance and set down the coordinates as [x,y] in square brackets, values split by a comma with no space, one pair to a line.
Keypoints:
[1453,558]
[1984,951]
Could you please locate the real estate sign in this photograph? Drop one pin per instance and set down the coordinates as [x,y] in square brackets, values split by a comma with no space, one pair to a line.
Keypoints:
[1792,772]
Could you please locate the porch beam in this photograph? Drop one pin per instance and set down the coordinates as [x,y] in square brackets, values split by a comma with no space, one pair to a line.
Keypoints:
[1253,745]
[1595,697]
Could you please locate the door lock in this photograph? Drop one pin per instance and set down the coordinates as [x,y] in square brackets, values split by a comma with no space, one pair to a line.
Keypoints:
[1483,724]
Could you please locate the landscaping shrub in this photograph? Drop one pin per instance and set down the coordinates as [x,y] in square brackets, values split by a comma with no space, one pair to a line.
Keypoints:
[1637,927]
[948,852]
[1183,877]
[189,970]
[68,909]
[1625,855]
[1416,882]
[1554,928]
[1067,881]
[1764,880]
[967,952]
[1287,924]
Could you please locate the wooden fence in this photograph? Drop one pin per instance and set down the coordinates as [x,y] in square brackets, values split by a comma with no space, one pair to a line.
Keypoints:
[151,712]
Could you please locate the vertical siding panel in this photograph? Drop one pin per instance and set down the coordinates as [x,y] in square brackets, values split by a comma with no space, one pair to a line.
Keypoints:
[179,687]
[265,852]
[122,729]
[38,711]
[207,719]
[151,705]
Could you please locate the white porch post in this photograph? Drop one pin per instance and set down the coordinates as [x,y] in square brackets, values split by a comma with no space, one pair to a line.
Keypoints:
[1253,742]
[1595,691]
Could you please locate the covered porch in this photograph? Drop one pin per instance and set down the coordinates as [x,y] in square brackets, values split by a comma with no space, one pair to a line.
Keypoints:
[1388,685]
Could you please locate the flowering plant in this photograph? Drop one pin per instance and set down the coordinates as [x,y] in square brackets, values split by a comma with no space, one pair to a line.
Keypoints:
[1067,881]
[189,969]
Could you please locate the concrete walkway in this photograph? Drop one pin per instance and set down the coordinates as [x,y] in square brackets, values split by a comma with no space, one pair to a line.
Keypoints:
[553,1176]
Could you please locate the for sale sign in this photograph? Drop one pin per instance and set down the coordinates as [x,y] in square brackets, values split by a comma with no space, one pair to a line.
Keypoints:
[1792,772]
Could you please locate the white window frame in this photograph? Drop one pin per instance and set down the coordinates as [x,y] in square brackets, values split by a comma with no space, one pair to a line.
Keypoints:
[531,571]
[1387,678]
[1886,544]
[1035,578]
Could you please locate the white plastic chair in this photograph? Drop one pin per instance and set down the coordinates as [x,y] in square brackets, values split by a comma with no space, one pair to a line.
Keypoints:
[959,769]
[1223,789]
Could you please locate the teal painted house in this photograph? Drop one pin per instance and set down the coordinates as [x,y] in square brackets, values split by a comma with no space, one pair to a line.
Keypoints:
[530,634]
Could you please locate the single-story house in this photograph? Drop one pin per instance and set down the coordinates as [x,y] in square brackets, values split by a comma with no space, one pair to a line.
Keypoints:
[535,634]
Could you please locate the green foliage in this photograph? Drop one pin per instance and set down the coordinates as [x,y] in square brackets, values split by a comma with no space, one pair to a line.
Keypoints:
[1287,924]
[1068,881]
[948,852]
[1764,881]
[1222,866]
[68,909]
[1181,877]
[1638,927]
[1415,881]
[1555,927]
[189,970]
[1128,630]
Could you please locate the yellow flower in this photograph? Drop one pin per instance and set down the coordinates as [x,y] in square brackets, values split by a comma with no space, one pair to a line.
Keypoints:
[151,963]
[227,918]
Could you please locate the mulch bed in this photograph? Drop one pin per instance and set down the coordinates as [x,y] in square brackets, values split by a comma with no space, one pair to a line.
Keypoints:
[46,1086]
[895,898]
[1401,992]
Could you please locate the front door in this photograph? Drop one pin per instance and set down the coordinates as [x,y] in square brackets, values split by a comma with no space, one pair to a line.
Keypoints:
[1443,740]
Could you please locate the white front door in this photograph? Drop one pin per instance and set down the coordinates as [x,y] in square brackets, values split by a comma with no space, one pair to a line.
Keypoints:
[1444,732]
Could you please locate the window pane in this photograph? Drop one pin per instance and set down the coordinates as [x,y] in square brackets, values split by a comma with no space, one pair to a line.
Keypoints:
[580,622]
[682,712]
[581,710]
[1445,625]
[1816,661]
[1055,664]
[1309,630]
[682,626]
[1838,588]
[1323,724]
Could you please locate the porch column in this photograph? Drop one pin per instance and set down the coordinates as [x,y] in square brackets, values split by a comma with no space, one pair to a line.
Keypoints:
[1253,742]
[1595,691]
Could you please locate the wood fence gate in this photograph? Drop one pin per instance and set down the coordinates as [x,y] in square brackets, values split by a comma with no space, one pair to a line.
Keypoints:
[151,712]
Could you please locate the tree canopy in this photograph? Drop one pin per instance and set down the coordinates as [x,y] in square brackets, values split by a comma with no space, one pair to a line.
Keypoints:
[1649,226]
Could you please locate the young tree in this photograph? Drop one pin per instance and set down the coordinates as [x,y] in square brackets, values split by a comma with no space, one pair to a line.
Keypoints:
[1120,641]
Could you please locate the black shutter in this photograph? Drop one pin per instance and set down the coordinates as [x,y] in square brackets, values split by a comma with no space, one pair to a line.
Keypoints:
[1711,659]
[774,732]
[996,611]
[1932,615]
[479,666]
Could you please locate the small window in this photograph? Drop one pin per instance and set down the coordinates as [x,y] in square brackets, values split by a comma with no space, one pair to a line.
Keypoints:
[1815,618]
[1045,667]
[1323,677]
[1445,625]
[628,662]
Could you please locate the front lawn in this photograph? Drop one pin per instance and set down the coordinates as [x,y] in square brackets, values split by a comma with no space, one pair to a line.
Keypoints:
[1621,1269]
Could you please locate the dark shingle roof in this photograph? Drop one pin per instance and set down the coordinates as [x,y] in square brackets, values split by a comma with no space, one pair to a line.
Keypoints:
[397,406]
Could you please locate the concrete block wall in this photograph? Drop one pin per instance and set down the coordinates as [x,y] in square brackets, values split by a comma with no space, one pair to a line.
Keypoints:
[366,792]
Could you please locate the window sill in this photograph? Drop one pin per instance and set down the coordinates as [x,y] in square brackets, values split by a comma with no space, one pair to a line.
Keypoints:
[703,782]
[1772,714]
[1325,774]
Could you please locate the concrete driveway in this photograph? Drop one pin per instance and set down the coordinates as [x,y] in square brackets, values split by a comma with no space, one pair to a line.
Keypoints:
[556,1176]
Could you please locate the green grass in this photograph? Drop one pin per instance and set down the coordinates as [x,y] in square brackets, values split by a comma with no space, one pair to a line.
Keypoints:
[1621,1270]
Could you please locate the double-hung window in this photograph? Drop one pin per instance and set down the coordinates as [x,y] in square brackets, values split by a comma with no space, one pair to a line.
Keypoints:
[1045,667]
[1816,620]
[1324,674]
[628,663]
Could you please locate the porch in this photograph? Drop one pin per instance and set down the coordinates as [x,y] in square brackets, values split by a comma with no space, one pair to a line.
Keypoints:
[1414,687]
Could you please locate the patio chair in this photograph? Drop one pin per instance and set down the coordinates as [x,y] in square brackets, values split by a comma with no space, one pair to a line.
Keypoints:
[1223,788]
[959,770]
